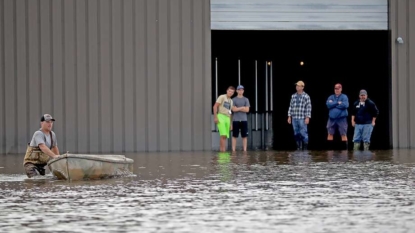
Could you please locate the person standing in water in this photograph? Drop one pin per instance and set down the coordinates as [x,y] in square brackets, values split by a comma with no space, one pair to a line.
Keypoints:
[41,148]
[364,114]
[240,118]
[222,112]
[299,114]
[337,105]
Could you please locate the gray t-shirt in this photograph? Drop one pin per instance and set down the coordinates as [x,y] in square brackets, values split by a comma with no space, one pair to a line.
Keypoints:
[240,102]
[39,137]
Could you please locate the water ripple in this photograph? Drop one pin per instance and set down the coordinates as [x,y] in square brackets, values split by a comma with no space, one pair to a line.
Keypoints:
[221,192]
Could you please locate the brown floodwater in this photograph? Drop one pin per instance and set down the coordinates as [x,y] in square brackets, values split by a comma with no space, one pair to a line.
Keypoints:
[257,191]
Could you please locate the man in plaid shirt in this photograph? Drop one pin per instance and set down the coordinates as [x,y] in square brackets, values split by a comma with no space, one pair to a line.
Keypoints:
[299,114]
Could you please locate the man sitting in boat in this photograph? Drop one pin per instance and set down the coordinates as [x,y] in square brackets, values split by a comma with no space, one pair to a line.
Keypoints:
[41,148]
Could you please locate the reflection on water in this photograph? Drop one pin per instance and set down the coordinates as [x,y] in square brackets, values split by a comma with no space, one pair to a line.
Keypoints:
[257,191]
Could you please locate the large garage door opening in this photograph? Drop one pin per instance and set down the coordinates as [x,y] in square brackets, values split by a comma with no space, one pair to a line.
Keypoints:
[268,63]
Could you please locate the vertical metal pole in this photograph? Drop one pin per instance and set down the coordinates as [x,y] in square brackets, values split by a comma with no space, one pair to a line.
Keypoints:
[266,95]
[271,97]
[262,132]
[256,96]
[216,85]
[239,72]
[216,77]
[270,86]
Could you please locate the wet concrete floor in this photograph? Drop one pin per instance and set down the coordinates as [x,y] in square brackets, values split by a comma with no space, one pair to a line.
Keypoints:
[257,191]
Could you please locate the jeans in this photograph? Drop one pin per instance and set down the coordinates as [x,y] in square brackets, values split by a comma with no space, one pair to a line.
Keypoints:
[300,130]
[362,133]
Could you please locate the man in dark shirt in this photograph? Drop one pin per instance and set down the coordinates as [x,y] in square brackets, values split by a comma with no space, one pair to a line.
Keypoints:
[364,113]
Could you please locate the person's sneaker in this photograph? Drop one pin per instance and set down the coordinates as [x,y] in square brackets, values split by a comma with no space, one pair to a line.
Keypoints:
[356,146]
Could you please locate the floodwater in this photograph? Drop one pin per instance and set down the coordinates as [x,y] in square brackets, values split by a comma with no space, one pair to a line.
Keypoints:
[257,191]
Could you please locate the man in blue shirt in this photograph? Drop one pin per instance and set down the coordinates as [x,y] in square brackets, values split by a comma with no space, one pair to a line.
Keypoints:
[364,115]
[337,105]
[299,114]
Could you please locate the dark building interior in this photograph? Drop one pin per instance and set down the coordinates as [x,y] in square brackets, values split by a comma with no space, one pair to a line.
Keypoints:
[356,59]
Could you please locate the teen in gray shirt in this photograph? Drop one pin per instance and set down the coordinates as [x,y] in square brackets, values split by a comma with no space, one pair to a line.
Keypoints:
[240,118]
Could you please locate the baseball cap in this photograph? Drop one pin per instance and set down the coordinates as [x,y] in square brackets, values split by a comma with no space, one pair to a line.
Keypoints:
[300,83]
[240,87]
[47,117]
[363,92]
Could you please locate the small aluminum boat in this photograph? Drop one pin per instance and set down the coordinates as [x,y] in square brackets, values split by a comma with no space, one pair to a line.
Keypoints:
[90,167]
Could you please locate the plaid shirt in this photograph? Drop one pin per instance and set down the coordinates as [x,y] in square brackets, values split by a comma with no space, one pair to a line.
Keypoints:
[300,106]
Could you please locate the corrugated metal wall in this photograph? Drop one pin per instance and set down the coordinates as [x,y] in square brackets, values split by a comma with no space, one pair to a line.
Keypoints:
[299,15]
[118,75]
[402,24]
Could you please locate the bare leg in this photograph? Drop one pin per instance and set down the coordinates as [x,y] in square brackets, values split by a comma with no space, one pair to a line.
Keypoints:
[233,143]
[245,143]
[222,143]
[330,142]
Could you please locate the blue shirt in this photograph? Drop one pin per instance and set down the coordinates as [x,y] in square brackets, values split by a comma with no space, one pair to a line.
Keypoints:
[337,110]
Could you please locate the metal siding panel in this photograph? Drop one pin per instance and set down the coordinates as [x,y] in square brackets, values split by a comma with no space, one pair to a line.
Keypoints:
[34,58]
[10,75]
[70,76]
[104,65]
[117,76]
[340,18]
[187,82]
[23,87]
[140,73]
[198,76]
[403,78]
[299,6]
[297,15]
[81,76]
[128,58]
[152,76]
[93,79]
[298,26]
[175,75]
[302,2]
[394,74]
[207,71]
[45,57]
[2,84]
[411,74]
[163,67]
[57,73]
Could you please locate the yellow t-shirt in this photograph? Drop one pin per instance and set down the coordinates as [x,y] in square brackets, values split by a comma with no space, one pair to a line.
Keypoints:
[225,105]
